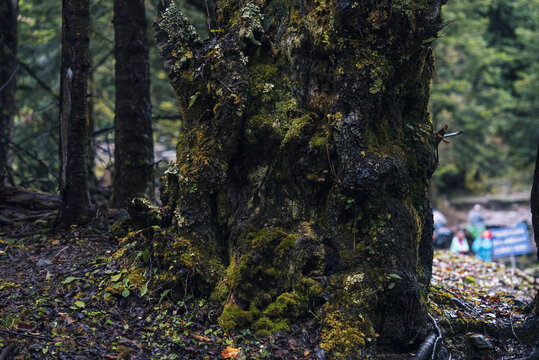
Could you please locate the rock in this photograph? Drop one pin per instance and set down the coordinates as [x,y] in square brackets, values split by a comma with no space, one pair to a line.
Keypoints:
[43,263]
[241,356]
[481,342]
[320,353]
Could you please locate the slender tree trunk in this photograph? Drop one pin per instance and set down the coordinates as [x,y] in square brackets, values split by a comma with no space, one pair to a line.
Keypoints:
[535,220]
[74,196]
[133,150]
[529,331]
[8,69]
[304,164]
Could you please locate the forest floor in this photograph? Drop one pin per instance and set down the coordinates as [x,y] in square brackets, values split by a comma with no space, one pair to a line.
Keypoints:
[54,304]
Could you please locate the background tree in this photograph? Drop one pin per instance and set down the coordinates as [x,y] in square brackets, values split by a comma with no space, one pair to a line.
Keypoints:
[303,164]
[8,70]
[74,195]
[35,139]
[133,150]
[535,223]
[486,85]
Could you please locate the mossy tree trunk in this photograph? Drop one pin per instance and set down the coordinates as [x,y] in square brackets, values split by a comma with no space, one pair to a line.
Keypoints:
[8,69]
[75,203]
[304,163]
[133,136]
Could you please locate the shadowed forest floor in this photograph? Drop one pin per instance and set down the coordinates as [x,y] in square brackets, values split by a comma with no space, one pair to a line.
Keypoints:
[57,301]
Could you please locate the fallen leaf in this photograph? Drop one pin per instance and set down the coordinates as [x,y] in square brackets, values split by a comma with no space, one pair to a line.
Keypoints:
[230,352]
[293,344]
[201,337]
[66,317]
[69,279]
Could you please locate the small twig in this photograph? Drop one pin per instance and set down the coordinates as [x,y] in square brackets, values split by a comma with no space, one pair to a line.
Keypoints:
[59,252]
[512,328]
[38,79]
[102,131]
[221,81]
[332,168]
[101,61]
[10,78]
[16,147]
[167,117]
[209,17]
[453,134]
[16,333]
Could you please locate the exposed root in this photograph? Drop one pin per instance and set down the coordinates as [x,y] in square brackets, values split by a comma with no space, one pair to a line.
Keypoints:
[430,343]
[438,331]
[426,347]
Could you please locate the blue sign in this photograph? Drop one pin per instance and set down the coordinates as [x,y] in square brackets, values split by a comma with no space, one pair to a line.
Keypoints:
[510,241]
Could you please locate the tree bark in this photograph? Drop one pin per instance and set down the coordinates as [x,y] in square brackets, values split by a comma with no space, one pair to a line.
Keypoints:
[133,151]
[304,163]
[8,70]
[74,195]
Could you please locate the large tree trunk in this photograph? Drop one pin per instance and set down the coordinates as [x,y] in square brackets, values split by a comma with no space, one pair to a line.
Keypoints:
[304,163]
[74,196]
[133,151]
[8,68]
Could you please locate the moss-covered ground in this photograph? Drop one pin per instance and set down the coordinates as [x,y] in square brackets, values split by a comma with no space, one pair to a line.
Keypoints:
[72,294]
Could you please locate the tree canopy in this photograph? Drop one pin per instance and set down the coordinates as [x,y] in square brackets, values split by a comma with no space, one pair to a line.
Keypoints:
[487,86]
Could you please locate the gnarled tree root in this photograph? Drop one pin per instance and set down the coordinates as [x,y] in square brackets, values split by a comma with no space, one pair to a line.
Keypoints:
[430,343]
[426,348]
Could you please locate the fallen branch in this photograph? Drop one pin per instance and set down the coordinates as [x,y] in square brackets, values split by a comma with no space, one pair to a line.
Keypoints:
[29,199]
[36,216]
